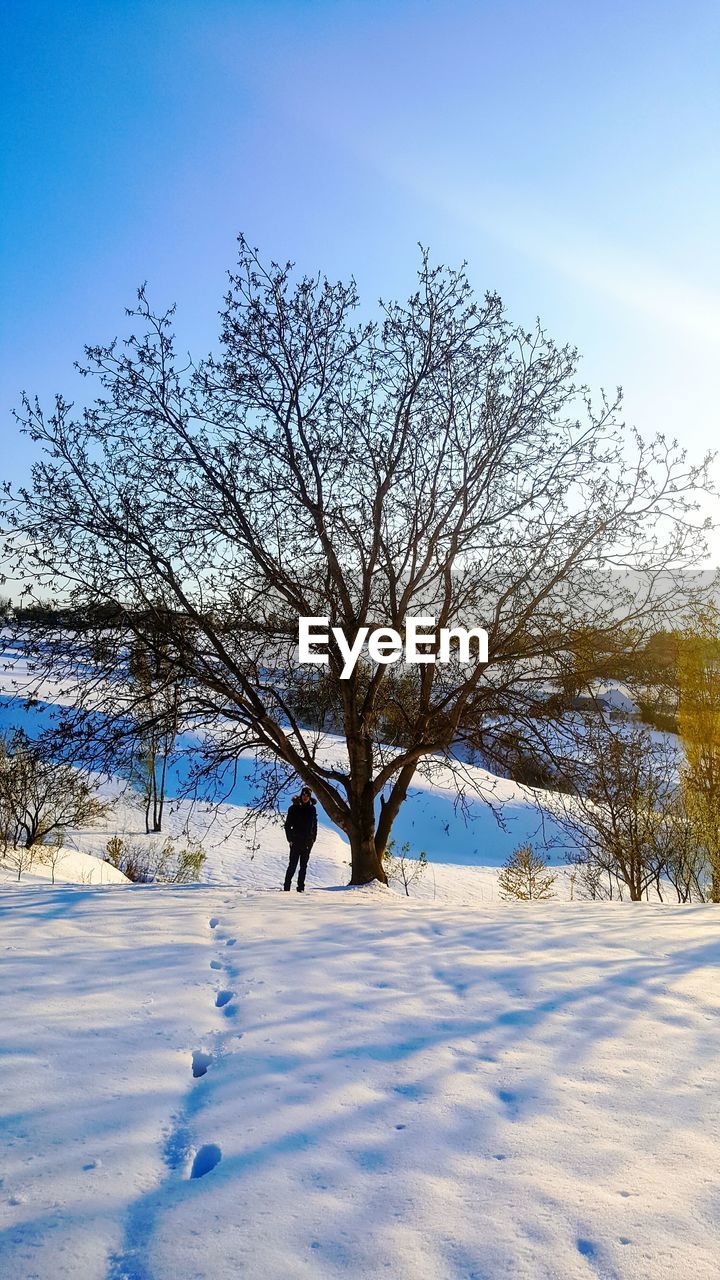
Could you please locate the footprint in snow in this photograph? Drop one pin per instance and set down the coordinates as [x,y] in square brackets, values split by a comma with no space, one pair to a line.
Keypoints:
[231,942]
[513,1100]
[216,964]
[412,1091]
[200,1063]
[586,1248]
[206,1159]
[214,922]
[222,998]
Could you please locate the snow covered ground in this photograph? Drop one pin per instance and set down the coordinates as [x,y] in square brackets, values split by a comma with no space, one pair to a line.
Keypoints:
[72,866]
[255,857]
[205,1082]
[496,814]
[224,1080]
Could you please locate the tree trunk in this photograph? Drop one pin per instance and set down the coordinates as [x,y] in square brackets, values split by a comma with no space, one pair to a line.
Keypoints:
[156,823]
[366,864]
[715,881]
[366,859]
[161,792]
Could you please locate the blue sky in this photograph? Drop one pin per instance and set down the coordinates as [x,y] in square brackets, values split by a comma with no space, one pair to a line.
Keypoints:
[568,151]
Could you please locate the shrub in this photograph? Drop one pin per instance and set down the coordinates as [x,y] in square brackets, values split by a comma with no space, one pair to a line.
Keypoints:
[402,867]
[39,798]
[151,863]
[525,877]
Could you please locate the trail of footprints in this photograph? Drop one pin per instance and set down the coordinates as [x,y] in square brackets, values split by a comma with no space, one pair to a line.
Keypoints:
[208,1157]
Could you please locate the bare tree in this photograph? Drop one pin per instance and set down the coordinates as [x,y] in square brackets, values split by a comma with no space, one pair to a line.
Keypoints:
[156,718]
[52,854]
[622,809]
[686,864]
[439,462]
[19,858]
[39,798]
[699,725]
[590,880]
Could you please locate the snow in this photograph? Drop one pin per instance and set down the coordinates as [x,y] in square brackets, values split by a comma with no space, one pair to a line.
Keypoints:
[254,856]
[615,696]
[461,833]
[223,1080]
[72,866]
[386,1087]
[466,833]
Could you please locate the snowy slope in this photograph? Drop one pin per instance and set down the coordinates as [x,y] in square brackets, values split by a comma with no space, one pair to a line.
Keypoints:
[254,856]
[496,814]
[72,867]
[465,841]
[390,1088]
[495,817]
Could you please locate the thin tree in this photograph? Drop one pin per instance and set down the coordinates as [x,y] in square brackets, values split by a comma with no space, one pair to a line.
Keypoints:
[686,865]
[439,462]
[621,807]
[699,725]
[18,858]
[525,877]
[156,712]
[53,853]
[402,867]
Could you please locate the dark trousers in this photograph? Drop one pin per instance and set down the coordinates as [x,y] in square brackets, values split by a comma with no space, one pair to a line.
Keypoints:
[298,853]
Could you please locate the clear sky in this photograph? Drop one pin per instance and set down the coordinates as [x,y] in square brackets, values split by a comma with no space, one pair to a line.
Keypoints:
[569,151]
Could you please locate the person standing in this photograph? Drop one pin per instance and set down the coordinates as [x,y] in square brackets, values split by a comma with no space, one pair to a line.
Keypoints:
[301,831]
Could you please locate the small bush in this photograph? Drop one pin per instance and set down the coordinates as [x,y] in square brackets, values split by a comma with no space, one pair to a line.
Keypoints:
[525,877]
[401,867]
[152,863]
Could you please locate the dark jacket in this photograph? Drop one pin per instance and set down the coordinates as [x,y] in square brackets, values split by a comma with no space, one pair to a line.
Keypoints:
[301,823]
